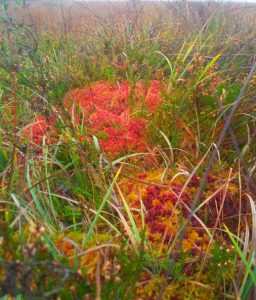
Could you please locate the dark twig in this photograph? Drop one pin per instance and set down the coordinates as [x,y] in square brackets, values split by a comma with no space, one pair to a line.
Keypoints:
[236,146]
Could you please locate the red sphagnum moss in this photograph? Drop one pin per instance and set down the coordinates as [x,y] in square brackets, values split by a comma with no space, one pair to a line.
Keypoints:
[37,129]
[112,112]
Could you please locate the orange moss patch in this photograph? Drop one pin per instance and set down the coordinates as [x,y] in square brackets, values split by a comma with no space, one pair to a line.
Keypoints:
[87,258]
[166,205]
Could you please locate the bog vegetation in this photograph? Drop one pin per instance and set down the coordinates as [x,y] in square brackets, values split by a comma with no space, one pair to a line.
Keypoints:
[127,150]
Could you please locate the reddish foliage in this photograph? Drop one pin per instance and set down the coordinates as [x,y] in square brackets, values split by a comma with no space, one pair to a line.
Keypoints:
[109,110]
[161,216]
[168,205]
[114,98]
[36,130]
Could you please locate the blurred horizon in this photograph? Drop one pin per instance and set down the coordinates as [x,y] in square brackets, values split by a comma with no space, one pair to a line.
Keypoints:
[141,1]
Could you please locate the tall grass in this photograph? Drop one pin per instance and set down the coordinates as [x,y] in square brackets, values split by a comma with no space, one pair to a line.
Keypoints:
[75,221]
